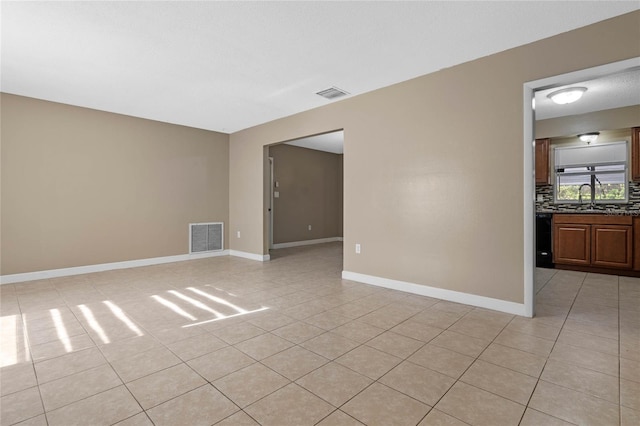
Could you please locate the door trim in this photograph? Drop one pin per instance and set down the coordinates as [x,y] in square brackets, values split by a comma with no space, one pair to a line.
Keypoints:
[528,157]
[271,206]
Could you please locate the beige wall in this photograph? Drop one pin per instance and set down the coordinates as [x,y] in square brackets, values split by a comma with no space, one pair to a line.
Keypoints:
[433,167]
[340,195]
[606,136]
[610,119]
[83,187]
[310,188]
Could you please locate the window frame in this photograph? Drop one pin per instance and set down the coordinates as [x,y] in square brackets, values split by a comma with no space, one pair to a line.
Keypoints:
[590,177]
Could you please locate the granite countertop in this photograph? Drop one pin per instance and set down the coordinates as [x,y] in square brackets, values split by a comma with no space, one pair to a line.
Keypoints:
[601,212]
[607,212]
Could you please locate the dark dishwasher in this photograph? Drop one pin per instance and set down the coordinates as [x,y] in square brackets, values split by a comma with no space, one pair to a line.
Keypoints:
[544,240]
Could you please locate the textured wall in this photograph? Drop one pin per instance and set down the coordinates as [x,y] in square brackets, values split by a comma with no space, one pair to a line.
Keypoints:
[83,187]
[419,159]
[310,188]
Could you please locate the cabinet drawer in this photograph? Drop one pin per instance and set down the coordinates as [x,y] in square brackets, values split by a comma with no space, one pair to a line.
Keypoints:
[592,219]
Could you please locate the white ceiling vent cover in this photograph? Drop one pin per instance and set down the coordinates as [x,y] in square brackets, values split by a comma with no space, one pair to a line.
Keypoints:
[204,237]
[332,93]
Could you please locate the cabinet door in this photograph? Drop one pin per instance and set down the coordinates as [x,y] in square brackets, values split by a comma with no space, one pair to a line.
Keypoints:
[611,246]
[542,161]
[635,153]
[571,244]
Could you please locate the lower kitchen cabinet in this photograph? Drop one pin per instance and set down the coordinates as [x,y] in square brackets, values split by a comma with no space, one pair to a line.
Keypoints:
[612,246]
[636,243]
[595,241]
[572,243]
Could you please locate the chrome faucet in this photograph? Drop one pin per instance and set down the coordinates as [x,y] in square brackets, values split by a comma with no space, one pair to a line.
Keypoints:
[580,194]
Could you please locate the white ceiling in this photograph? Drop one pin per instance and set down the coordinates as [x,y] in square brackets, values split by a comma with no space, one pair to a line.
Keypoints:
[606,92]
[611,91]
[226,66]
[329,142]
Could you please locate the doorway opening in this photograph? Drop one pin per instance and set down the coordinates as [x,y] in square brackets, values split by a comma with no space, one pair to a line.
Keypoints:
[537,107]
[305,195]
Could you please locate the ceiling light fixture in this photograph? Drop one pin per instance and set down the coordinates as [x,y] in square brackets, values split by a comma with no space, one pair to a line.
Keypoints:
[589,137]
[567,96]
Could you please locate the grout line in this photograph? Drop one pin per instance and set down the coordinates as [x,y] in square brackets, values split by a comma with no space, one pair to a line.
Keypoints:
[552,347]
[619,355]
[326,291]
[334,411]
[546,282]
[33,363]
[473,362]
[335,360]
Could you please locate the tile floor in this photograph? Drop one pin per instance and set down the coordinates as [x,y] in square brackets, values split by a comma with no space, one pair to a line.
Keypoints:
[229,341]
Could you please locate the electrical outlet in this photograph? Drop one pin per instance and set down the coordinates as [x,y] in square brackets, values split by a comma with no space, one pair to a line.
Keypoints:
[309,227]
[357,248]
[238,234]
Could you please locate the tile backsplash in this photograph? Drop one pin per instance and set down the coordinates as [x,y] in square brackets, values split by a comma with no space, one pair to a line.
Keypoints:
[547,205]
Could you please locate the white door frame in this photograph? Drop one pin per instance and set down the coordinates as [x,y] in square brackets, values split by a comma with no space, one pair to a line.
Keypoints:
[529,158]
[271,207]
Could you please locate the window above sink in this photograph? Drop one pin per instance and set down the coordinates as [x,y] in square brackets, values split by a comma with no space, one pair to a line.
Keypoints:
[594,174]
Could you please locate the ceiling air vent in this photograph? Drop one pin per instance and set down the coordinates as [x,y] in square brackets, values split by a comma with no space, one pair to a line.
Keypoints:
[332,93]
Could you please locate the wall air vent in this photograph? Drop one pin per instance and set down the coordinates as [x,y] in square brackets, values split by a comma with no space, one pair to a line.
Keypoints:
[204,237]
[332,93]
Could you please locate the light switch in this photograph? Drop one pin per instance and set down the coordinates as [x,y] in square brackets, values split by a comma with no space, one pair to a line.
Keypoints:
[276,194]
[277,184]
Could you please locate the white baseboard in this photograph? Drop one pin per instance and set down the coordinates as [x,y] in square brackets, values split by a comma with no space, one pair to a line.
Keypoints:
[78,270]
[307,242]
[439,293]
[251,256]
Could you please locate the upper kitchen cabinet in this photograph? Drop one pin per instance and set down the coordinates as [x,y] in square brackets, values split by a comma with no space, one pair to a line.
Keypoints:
[635,153]
[542,161]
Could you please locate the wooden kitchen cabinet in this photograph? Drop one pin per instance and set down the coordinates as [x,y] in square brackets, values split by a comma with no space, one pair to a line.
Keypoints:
[542,161]
[572,244]
[595,241]
[636,243]
[612,246]
[635,153]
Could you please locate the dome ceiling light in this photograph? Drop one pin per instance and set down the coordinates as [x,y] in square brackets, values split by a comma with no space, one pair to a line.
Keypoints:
[567,96]
[589,137]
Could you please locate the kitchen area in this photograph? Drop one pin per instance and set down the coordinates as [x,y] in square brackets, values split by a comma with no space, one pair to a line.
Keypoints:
[587,173]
